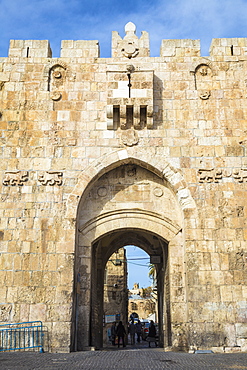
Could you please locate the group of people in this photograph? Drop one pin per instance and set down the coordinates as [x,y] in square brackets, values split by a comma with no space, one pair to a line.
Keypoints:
[133,329]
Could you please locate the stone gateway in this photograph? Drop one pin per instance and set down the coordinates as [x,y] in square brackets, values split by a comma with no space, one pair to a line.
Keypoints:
[100,153]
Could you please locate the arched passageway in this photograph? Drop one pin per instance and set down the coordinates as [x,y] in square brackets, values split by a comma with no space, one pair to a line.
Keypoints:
[102,250]
[128,204]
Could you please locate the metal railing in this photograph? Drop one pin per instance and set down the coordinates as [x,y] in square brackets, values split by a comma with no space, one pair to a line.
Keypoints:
[21,336]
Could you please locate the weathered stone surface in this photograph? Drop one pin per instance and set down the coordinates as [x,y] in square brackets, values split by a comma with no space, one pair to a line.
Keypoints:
[97,153]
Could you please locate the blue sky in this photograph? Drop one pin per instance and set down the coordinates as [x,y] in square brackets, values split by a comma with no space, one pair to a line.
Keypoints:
[57,20]
[138,262]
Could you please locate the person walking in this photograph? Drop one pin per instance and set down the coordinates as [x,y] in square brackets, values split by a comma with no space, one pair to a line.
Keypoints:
[121,332]
[113,333]
[132,331]
[138,330]
[151,334]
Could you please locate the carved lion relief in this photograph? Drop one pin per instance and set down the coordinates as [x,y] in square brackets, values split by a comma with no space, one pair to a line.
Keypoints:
[14,178]
[213,175]
[51,178]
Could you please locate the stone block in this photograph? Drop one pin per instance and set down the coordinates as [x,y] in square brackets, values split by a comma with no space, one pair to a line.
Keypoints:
[80,48]
[235,349]
[241,330]
[5,311]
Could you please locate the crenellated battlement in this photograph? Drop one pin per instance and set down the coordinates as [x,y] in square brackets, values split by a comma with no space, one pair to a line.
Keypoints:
[30,49]
[80,49]
[180,48]
[130,46]
[229,47]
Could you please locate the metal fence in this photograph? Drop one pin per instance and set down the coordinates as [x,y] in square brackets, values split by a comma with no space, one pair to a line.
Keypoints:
[21,336]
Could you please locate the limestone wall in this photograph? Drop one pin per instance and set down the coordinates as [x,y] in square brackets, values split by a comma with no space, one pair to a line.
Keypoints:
[66,121]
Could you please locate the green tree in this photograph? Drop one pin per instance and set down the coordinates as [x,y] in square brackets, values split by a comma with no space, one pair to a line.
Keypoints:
[151,273]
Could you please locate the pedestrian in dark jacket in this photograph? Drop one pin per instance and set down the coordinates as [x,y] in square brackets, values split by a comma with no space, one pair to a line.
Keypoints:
[113,333]
[121,333]
[132,331]
[151,334]
[138,330]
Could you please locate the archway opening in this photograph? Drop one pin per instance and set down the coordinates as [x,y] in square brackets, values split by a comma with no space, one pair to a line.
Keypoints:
[109,249]
[131,204]
[130,290]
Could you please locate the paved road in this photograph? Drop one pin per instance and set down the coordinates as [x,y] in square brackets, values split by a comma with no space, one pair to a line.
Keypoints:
[132,357]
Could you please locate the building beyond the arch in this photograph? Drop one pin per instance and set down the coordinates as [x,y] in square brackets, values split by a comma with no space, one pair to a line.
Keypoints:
[149,150]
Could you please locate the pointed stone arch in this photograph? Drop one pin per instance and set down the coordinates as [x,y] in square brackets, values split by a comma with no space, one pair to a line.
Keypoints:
[89,235]
[154,163]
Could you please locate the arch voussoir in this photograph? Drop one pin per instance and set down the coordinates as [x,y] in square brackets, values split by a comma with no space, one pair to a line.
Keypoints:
[128,219]
[156,164]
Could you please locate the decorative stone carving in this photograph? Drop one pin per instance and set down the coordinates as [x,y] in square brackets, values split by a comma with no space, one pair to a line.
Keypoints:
[203,80]
[102,191]
[158,192]
[56,80]
[130,50]
[204,95]
[54,74]
[130,42]
[57,74]
[14,178]
[203,71]
[130,46]
[130,137]
[210,175]
[240,175]
[214,175]
[55,95]
[51,178]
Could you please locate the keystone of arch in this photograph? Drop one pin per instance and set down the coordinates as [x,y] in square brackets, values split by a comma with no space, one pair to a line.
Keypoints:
[153,163]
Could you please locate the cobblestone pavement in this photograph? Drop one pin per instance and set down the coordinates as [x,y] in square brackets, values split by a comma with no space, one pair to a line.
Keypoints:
[123,358]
